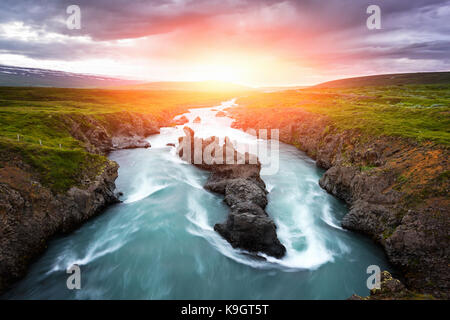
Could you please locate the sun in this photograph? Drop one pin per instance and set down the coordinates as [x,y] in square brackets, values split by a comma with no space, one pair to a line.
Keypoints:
[226,73]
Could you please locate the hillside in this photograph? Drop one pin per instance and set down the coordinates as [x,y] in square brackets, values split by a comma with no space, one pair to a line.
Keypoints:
[32,77]
[40,115]
[11,76]
[389,80]
[54,173]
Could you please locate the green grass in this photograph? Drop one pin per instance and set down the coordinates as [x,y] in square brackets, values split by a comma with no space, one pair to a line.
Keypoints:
[58,169]
[390,80]
[420,112]
[36,115]
[366,168]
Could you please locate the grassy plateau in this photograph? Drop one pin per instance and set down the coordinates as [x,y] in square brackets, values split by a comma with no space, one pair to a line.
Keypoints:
[420,112]
[32,130]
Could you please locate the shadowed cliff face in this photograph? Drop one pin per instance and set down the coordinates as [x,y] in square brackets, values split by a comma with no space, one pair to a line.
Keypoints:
[397,189]
[31,213]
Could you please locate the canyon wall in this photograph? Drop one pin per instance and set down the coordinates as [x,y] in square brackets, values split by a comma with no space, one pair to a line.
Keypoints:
[396,189]
[31,212]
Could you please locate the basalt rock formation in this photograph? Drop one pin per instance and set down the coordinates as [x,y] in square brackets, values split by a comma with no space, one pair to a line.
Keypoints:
[396,189]
[121,130]
[237,177]
[197,120]
[391,289]
[221,114]
[182,120]
[31,212]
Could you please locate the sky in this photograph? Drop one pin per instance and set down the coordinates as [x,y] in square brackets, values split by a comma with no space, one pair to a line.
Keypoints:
[251,42]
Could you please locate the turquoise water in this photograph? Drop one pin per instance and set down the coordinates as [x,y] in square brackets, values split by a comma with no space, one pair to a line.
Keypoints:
[160,243]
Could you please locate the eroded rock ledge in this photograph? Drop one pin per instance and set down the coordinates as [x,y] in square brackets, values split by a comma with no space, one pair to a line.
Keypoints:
[391,289]
[31,213]
[248,226]
[396,189]
[114,131]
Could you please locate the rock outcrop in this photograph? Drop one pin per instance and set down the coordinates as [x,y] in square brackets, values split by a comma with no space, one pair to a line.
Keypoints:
[237,177]
[135,142]
[181,120]
[197,120]
[108,132]
[391,289]
[397,189]
[31,213]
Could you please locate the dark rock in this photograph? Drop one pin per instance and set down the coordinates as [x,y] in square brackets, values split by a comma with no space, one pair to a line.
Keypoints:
[253,233]
[240,191]
[248,226]
[31,214]
[197,120]
[221,114]
[390,289]
[182,120]
[122,142]
[365,172]
[170,145]
[121,130]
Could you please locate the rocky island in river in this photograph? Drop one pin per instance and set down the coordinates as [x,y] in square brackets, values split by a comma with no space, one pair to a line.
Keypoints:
[237,177]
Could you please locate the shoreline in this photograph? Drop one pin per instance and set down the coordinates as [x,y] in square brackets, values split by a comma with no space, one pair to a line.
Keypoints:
[356,173]
[35,213]
[83,203]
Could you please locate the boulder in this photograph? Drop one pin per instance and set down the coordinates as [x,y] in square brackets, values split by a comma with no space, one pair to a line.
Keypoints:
[182,120]
[122,142]
[197,120]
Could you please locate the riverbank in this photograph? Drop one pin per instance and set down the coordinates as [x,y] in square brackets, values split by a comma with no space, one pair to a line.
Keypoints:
[168,215]
[396,185]
[54,173]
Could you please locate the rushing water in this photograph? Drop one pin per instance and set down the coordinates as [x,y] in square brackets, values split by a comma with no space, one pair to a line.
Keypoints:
[160,243]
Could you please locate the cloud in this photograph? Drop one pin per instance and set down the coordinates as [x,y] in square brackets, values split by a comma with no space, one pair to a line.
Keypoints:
[328,38]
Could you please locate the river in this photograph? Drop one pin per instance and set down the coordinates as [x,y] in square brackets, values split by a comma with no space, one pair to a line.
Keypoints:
[159,243]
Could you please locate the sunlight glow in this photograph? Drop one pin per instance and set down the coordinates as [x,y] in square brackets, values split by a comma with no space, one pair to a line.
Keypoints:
[217,73]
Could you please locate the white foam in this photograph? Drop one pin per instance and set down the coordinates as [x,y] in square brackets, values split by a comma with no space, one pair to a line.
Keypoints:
[328,218]
[145,190]
[297,228]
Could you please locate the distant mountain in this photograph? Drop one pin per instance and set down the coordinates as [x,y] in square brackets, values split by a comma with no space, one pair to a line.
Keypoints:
[188,86]
[33,77]
[389,80]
